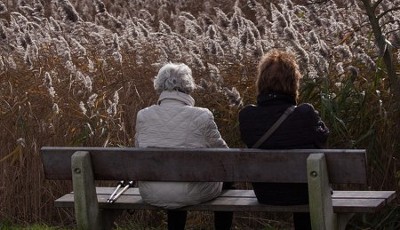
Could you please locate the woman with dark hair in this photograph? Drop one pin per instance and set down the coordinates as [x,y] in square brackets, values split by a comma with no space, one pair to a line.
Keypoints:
[278,90]
[175,122]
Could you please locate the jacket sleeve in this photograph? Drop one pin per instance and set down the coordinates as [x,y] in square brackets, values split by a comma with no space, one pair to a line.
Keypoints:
[212,134]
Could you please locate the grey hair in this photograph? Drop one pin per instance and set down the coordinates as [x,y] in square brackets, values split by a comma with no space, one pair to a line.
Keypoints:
[174,77]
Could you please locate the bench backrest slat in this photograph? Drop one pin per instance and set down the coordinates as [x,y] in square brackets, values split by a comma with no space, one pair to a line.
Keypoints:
[207,164]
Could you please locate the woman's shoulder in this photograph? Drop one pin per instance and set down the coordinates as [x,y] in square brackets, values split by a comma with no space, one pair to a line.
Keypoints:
[307,111]
[201,111]
[305,107]
[248,108]
[148,109]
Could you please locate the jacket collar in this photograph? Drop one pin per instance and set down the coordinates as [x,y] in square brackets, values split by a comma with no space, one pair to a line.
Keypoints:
[177,97]
[272,98]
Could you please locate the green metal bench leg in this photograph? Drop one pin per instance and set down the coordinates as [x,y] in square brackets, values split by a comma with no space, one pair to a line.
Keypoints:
[321,210]
[87,212]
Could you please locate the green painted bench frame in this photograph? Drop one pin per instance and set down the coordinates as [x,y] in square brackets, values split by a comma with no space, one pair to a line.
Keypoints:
[318,167]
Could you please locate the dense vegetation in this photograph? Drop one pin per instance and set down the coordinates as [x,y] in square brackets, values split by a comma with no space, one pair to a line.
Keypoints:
[76,72]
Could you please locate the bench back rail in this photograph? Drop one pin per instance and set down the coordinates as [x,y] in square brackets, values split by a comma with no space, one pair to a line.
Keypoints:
[238,165]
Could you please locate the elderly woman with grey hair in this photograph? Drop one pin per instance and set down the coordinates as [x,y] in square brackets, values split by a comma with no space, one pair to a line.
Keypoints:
[175,122]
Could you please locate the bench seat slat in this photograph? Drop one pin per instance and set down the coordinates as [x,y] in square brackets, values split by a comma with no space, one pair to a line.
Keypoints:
[388,195]
[244,200]
[135,191]
[244,204]
[358,205]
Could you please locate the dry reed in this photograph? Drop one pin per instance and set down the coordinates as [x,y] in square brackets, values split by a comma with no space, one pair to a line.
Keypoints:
[75,74]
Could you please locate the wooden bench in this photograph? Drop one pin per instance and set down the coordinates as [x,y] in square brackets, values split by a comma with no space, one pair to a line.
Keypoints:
[320,168]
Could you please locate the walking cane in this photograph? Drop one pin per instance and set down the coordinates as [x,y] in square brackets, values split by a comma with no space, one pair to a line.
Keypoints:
[130,184]
[119,185]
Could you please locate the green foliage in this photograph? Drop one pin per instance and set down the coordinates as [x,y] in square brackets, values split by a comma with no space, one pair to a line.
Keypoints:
[385,220]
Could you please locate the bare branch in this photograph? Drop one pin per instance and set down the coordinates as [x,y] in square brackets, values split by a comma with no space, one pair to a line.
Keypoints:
[392,31]
[387,11]
[317,2]
[376,4]
[391,21]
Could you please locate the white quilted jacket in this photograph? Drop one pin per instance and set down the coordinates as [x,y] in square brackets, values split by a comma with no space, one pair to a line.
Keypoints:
[175,122]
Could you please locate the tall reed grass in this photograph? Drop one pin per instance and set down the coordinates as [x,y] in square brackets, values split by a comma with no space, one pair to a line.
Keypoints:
[75,73]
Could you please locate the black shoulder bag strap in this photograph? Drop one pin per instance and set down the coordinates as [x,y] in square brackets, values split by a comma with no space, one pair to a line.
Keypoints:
[287,112]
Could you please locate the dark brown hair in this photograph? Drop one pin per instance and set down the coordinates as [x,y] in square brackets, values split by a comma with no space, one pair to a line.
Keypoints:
[278,72]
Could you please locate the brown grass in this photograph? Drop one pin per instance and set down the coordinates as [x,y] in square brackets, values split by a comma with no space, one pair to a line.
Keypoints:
[358,111]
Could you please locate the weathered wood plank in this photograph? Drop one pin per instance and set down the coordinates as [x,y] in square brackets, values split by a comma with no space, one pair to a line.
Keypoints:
[358,205]
[250,165]
[135,191]
[341,205]
[218,204]
[389,196]
[244,205]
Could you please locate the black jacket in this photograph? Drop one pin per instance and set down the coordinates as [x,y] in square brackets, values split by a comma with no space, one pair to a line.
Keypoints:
[302,129]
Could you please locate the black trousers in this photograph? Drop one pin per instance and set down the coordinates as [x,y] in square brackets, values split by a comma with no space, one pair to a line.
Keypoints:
[285,194]
[302,220]
[177,220]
